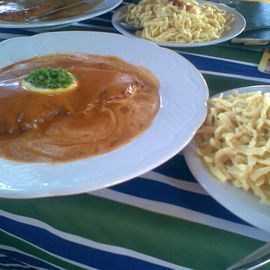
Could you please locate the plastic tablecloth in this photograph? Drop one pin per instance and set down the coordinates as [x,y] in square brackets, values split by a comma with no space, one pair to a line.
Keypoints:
[160,220]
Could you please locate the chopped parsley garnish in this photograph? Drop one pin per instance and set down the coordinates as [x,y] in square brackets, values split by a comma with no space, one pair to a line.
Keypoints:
[50,78]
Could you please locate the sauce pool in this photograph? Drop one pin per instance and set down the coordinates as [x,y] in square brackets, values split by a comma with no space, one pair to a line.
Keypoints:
[113,103]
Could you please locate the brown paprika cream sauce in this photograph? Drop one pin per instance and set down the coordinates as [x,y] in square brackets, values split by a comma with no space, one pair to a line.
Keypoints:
[113,103]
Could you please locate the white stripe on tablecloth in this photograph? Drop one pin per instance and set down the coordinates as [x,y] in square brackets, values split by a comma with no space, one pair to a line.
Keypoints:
[50,253]
[28,255]
[218,58]
[15,266]
[229,75]
[183,213]
[175,182]
[86,242]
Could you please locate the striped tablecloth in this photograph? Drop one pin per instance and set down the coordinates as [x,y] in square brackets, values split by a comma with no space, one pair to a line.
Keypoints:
[161,220]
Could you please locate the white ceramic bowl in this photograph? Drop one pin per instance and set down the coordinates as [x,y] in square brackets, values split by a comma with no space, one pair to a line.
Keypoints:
[237,27]
[183,94]
[245,205]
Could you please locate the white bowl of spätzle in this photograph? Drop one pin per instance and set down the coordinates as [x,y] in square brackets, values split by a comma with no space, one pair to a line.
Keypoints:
[230,153]
[180,23]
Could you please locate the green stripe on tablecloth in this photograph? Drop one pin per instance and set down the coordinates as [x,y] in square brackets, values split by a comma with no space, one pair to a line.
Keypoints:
[218,84]
[21,245]
[85,27]
[227,53]
[117,224]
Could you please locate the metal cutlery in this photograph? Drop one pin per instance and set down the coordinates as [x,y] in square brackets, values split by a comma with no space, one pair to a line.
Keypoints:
[130,27]
[254,260]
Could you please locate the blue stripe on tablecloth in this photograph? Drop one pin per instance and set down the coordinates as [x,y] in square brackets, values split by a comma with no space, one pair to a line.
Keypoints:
[222,66]
[176,168]
[28,260]
[82,254]
[156,191]
[106,17]
[97,22]
[17,31]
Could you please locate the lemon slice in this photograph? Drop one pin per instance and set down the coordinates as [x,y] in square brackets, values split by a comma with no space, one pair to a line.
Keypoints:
[30,87]
[47,80]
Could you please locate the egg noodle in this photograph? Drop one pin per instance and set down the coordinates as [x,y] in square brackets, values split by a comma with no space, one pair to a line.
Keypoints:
[234,141]
[181,21]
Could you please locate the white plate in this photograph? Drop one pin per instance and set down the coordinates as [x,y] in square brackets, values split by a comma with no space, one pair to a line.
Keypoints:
[245,205]
[183,95]
[237,27]
[101,8]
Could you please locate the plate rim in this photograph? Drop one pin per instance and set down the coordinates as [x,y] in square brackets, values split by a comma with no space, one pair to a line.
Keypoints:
[116,25]
[65,21]
[195,165]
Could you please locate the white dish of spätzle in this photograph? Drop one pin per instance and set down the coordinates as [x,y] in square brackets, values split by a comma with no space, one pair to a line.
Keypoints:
[230,153]
[179,23]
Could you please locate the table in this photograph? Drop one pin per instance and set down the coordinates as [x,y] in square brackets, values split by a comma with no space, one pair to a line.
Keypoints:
[161,220]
